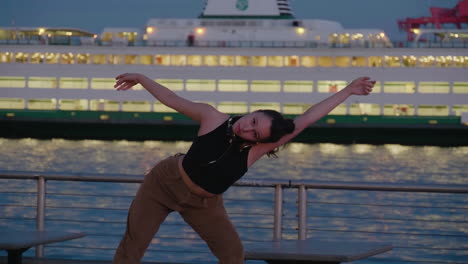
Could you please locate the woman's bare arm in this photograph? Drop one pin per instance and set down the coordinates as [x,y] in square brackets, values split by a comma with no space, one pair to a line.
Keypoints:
[360,86]
[196,111]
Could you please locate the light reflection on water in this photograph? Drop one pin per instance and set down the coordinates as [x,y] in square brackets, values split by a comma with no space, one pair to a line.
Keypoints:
[360,162]
[300,162]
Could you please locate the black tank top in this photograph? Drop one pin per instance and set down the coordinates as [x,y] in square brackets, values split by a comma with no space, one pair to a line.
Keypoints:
[215,161]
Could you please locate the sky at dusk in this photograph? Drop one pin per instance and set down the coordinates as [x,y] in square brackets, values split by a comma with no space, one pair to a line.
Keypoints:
[94,15]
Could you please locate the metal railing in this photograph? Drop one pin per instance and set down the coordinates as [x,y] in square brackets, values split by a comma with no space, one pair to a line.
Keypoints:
[278,187]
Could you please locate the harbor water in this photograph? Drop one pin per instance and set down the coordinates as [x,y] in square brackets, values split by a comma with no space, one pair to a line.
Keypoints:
[423,227]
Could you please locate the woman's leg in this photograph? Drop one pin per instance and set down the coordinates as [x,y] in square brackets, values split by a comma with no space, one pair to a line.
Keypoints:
[145,215]
[213,225]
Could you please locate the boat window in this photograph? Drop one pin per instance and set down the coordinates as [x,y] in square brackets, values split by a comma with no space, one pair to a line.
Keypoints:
[459,109]
[308,61]
[42,104]
[73,83]
[364,109]
[82,58]
[377,87]
[6,57]
[130,59]
[178,60]
[392,61]
[434,87]
[359,61]
[275,61]
[146,59]
[194,60]
[52,58]
[298,86]
[210,60]
[399,87]
[259,61]
[161,108]
[233,107]
[102,83]
[11,103]
[42,82]
[73,104]
[12,82]
[107,37]
[200,85]
[265,105]
[342,61]
[460,87]
[398,110]
[242,61]
[291,61]
[113,59]
[67,58]
[99,59]
[427,61]
[341,109]
[375,61]
[265,86]
[226,60]
[409,61]
[233,85]
[433,110]
[104,105]
[444,61]
[330,86]
[173,84]
[460,61]
[295,109]
[21,57]
[136,106]
[325,61]
[36,58]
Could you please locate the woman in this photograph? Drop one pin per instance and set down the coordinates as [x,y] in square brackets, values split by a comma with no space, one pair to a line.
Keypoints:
[192,184]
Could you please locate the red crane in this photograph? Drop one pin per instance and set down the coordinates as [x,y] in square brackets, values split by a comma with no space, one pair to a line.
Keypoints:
[439,16]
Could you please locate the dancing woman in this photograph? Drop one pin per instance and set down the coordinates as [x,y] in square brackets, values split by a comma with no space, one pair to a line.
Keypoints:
[192,184]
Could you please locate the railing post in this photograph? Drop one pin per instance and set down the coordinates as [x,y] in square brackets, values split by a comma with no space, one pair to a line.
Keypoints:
[302,212]
[278,214]
[40,213]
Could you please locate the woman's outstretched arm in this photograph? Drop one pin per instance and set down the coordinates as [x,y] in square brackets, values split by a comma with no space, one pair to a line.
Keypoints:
[196,111]
[360,86]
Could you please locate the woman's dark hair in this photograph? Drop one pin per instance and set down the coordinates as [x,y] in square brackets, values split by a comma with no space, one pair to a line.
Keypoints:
[280,126]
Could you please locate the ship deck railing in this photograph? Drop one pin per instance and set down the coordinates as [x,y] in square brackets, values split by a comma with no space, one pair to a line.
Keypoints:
[404,215]
[241,44]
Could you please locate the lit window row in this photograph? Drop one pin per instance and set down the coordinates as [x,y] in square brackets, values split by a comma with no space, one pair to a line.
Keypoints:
[207,85]
[237,60]
[231,107]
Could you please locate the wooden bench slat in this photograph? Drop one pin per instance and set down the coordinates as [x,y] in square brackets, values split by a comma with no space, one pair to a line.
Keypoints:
[13,239]
[313,250]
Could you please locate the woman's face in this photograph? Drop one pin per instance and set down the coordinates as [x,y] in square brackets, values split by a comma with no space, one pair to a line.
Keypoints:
[254,127]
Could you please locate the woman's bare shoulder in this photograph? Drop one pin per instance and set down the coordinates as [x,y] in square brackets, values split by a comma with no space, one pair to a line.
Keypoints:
[211,120]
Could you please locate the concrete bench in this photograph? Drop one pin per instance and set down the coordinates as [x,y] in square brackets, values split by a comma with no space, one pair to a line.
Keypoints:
[16,241]
[312,251]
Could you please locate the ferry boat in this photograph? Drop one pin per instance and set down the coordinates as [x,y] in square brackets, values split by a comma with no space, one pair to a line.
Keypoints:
[239,56]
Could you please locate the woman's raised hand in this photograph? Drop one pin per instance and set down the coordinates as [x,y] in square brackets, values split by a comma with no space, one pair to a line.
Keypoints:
[126,81]
[361,86]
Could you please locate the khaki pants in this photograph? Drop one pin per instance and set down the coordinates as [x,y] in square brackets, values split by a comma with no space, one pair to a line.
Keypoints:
[162,192]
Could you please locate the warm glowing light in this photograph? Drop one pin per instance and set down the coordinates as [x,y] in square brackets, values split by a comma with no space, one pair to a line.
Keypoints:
[150,30]
[68,33]
[416,31]
[200,31]
[41,31]
[300,31]
[95,36]
[382,34]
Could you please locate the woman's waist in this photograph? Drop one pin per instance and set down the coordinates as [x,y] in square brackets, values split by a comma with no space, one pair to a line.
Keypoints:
[194,188]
